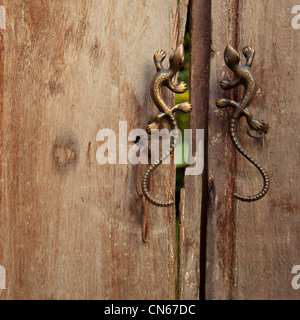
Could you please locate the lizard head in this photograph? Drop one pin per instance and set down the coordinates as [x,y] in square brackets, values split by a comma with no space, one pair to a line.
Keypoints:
[232,57]
[177,59]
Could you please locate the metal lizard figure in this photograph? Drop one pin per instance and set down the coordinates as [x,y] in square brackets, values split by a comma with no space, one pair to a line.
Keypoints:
[162,78]
[245,77]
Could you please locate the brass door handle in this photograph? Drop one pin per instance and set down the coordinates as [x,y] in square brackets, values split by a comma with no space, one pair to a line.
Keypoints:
[164,77]
[244,76]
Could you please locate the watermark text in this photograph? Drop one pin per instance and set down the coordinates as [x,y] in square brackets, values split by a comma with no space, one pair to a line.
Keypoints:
[296,279]
[2,278]
[296,18]
[133,147]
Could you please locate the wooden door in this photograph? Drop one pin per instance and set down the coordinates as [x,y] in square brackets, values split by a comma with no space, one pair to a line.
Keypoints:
[251,248]
[70,228]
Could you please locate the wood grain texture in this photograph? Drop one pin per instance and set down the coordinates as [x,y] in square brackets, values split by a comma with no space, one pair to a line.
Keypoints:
[221,161]
[267,232]
[252,248]
[192,235]
[69,227]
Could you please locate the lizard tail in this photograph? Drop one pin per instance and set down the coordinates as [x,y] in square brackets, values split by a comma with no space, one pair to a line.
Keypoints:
[156,164]
[266,186]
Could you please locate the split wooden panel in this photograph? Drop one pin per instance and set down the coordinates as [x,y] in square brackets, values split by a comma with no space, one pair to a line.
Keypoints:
[192,235]
[267,232]
[252,248]
[221,160]
[69,227]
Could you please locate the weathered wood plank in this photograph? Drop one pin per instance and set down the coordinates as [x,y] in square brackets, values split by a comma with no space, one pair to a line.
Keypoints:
[267,233]
[192,235]
[221,161]
[70,228]
[252,248]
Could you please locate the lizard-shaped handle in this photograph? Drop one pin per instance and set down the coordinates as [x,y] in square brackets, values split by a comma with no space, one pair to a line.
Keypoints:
[244,76]
[162,78]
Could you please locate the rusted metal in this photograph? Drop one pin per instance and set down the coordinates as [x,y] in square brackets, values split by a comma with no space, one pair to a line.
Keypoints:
[244,76]
[257,136]
[145,226]
[162,78]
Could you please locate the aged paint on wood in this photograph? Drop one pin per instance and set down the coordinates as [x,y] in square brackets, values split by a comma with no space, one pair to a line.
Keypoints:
[252,248]
[70,228]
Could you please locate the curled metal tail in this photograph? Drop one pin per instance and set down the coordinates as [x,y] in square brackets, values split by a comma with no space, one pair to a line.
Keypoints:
[260,195]
[152,167]
[164,78]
